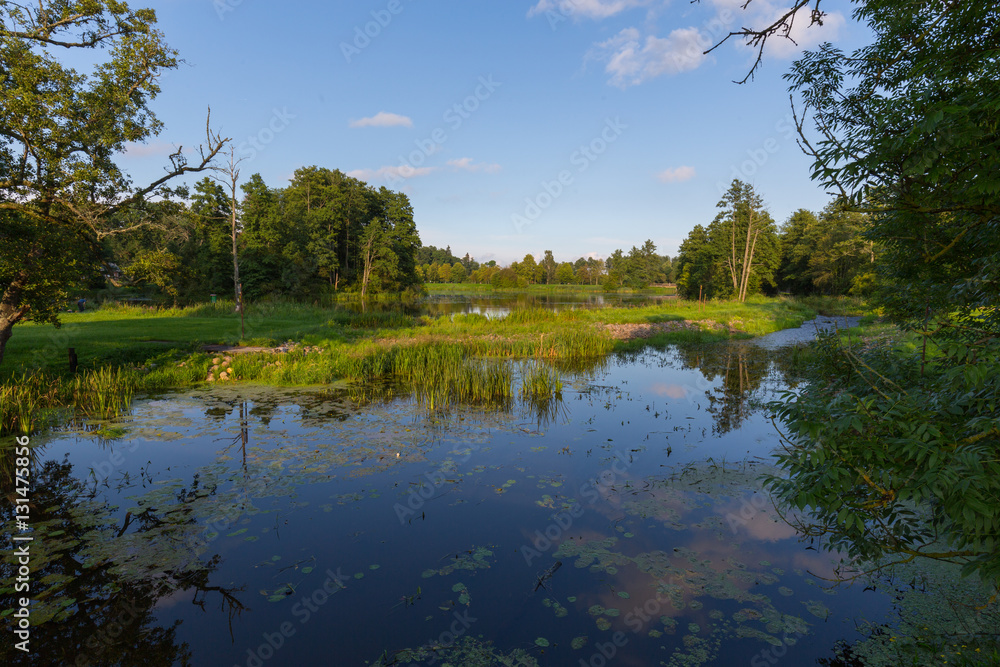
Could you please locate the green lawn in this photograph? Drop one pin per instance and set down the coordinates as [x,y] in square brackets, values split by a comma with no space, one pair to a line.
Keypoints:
[127,350]
[132,336]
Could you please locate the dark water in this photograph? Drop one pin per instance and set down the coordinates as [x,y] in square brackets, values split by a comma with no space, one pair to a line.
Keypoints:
[260,526]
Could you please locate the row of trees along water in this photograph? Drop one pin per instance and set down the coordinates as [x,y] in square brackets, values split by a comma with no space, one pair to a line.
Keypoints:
[638,269]
[327,231]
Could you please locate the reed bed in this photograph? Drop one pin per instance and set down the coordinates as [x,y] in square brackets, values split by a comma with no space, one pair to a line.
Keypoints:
[27,400]
[22,401]
[539,383]
[105,393]
[461,358]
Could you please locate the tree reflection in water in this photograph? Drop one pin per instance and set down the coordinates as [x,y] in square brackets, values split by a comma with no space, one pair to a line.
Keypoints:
[90,606]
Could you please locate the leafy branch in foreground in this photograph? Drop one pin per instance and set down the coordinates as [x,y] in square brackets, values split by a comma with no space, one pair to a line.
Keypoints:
[894,452]
[883,462]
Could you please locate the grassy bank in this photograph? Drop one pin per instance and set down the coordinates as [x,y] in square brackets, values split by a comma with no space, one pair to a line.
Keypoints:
[127,350]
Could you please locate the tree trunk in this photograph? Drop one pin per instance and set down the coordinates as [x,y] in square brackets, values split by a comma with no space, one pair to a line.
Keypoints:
[236,263]
[748,267]
[9,316]
[10,312]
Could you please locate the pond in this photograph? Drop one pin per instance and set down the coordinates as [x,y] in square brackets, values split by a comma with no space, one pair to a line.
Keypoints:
[499,304]
[624,524]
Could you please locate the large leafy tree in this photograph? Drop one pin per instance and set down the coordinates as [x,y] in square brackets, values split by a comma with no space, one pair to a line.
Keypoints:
[737,255]
[891,455]
[745,242]
[61,131]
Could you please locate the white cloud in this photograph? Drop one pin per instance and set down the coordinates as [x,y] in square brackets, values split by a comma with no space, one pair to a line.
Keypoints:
[592,9]
[677,175]
[390,173]
[632,61]
[383,119]
[466,164]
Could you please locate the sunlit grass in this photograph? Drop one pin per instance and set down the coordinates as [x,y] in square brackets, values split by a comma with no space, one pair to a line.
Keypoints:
[125,350]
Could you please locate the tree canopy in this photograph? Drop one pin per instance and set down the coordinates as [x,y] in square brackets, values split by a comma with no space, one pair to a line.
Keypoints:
[737,255]
[896,454]
[61,133]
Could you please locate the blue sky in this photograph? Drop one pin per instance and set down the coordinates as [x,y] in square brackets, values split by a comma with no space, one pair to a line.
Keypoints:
[579,126]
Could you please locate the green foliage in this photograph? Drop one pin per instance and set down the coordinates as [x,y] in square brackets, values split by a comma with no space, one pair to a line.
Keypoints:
[827,255]
[637,270]
[889,455]
[908,131]
[504,279]
[896,453]
[736,256]
[564,274]
[61,190]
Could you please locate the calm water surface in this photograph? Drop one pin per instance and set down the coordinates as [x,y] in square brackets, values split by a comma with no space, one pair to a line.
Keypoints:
[500,304]
[624,525]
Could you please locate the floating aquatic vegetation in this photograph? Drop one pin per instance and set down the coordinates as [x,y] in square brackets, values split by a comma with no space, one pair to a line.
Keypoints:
[684,579]
[473,559]
[939,617]
[817,609]
[467,652]
[463,594]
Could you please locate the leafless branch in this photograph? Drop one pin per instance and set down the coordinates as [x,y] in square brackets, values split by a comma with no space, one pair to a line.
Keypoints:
[781,27]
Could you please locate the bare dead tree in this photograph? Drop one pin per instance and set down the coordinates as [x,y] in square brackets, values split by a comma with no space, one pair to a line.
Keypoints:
[230,178]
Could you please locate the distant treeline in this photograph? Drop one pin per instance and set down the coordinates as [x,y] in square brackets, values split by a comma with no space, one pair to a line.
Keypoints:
[327,232]
[638,269]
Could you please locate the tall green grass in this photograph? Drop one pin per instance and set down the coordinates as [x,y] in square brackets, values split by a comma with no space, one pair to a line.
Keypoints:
[105,393]
[26,401]
[126,349]
[22,401]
